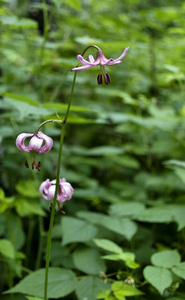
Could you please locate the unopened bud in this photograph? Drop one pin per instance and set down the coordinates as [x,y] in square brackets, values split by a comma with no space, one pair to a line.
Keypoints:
[99,79]
[106,78]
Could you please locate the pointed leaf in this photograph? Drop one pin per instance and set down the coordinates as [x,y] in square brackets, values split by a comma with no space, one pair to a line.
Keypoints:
[88,260]
[166,259]
[179,270]
[108,245]
[7,249]
[75,230]
[121,289]
[89,287]
[61,282]
[160,278]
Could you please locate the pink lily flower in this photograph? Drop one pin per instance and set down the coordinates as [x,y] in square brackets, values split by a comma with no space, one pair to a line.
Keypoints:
[40,143]
[100,60]
[47,190]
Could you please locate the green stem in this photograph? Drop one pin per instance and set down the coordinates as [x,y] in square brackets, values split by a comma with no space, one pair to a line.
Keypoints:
[48,250]
[48,121]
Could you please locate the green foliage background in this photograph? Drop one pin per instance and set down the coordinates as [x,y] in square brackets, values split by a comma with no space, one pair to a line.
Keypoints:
[123,233]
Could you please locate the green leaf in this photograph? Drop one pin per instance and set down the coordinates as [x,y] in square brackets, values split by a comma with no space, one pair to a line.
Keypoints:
[15,230]
[26,207]
[34,298]
[104,150]
[108,245]
[89,287]
[103,294]
[75,230]
[14,22]
[176,298]
[127,257]
[24,109]
[59,107]
[28,188]
[88,260]
[121,289]
[7,249]
[162,214]
[160,278]
[179,270]
[177,163]
[127,208]
[76,4]
[19,97]
[166,259]
[61,282]
[120,225]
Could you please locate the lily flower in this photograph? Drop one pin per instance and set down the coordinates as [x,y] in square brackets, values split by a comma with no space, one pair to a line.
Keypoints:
[40,143]
[100,60]
[47,190]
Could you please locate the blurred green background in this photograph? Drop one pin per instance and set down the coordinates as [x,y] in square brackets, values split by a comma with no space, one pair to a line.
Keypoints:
[123,150]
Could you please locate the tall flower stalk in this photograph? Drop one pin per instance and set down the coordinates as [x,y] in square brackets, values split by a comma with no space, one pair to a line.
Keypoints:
[102,61]
[48,250]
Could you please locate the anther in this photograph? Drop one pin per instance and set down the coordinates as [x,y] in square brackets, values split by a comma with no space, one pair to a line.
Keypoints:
[26,164]
[37,166]
[62,211]
[99,79]
[106,78]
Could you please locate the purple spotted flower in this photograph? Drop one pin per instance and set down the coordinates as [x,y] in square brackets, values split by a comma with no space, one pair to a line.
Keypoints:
[100,60]
[40,143]
[47,190]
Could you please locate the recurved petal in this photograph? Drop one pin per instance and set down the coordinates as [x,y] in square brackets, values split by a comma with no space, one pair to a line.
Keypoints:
[20,141]
[67,190]
[82,68]
[62,180]
[91,58]
[48,142]
[51,192]
[86,62]
[112,62]
[122,55]
[43,189]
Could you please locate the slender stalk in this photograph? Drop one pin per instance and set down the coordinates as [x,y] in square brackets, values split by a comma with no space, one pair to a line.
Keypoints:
[48,121]
[48,250]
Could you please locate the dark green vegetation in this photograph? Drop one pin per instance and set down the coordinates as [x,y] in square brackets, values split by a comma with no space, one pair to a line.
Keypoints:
[123,234]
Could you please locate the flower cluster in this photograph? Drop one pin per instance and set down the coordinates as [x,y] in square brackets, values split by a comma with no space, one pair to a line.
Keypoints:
[41,143]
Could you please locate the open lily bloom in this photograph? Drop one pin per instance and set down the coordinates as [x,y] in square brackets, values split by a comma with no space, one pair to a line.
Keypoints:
[47,190]
[100,60]
[40,143]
